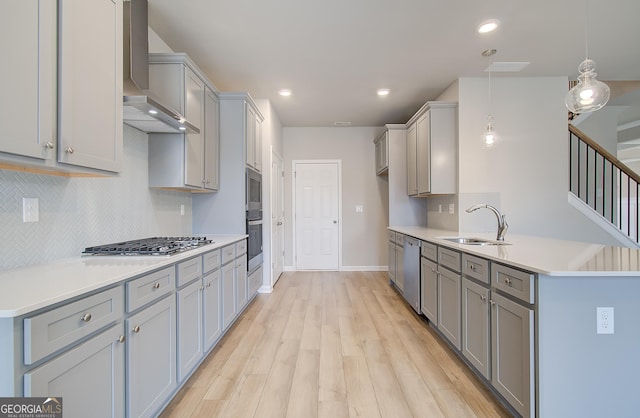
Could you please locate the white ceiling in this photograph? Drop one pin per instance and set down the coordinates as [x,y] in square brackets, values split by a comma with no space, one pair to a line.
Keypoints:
[334,54]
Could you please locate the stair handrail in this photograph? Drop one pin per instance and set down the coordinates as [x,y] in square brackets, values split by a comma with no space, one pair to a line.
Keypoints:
[600,149]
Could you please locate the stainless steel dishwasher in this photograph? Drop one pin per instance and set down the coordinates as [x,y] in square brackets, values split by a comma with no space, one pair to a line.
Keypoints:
[411,267]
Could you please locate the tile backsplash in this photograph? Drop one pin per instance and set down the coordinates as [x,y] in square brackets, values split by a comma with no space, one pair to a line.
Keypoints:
[79,212]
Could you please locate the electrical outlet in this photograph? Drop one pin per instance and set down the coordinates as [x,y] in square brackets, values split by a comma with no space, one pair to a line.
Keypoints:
[439,208]
[604,320]
[182,210]
[30,209]
[359,208]
[452,208]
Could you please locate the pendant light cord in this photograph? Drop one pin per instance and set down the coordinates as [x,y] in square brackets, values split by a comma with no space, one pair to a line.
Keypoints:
[586,26]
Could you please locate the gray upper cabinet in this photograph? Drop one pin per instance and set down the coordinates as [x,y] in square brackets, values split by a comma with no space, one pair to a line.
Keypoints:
[68,115]
[382,153]
[90,84]
[431,150]
[28,42]
[187,161]
[253,135]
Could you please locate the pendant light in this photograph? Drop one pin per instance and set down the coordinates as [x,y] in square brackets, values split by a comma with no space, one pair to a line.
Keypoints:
[589,94]
[489,135]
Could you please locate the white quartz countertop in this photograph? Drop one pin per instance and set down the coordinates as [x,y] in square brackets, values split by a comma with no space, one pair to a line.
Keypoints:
[546,256]
[27,289]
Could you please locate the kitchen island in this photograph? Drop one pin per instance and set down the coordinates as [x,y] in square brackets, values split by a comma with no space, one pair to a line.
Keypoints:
[550,291]
[118,335]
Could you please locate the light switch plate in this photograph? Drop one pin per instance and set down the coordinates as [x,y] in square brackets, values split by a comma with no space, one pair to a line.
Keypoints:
[30,209]
[359,208]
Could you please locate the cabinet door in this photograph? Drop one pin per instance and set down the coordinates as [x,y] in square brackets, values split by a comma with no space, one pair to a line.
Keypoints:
[392,261]
[211,141]
[400,264]
[89,377]
[212,309]
[250,135]
[476,326]
[28,83]
[241,280]
[228,294]
[412,175]
[257,164]
[429,289]
[449,305]
[512,357]
[151,358]
[190,346]
[194,143]
[90,83]
[423,165]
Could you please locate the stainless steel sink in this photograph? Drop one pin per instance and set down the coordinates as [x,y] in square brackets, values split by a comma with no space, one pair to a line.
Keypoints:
[473,241]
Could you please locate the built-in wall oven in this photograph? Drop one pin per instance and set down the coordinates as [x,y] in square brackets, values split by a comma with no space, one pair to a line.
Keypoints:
[254,219]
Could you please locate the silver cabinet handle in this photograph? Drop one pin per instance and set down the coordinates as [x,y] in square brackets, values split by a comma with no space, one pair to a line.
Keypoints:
[492,302]
[86,317]
[209,284]
[507,281]
[156,285]
[136,329]
[483,298]
[69,150]
[472,267]
[121,339]
[279,223]
[335,222]
[49,145]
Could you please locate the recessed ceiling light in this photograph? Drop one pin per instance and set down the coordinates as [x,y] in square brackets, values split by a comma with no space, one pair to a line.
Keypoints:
[284,92]
[383,92]
[488,26]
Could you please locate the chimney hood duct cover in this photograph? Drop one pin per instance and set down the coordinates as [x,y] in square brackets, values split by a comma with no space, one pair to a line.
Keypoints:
[140,109]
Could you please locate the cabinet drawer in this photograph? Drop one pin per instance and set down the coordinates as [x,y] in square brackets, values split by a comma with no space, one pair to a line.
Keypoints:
[189,270]
[58,328]
[241,247]
[228,253]
[392,236]
[449,259]
[211,261]
[517,283]
[148,288]
[475,267]
[429,251]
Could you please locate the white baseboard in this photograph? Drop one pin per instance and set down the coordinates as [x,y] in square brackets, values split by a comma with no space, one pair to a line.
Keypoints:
[265,289]
[350,268]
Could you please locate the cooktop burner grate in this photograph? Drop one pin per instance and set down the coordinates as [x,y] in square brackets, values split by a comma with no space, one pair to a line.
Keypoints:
[149,246]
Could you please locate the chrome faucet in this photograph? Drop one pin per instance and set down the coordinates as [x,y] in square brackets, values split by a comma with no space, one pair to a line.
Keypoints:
[502,222]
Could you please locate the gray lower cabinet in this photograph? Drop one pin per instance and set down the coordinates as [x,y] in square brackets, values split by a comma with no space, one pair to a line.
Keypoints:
[211,297]
[255,281]
[449,305]
[190,328]
[399,264]
[89,377]
[429,289]
[476,326]
[228,294]
[392,261]
[513,365]
[151,358]
[241,282]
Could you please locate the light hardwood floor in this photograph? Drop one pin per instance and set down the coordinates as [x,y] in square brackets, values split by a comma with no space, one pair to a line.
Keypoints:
[332,344]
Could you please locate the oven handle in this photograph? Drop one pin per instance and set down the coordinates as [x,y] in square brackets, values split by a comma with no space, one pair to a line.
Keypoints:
[258,222]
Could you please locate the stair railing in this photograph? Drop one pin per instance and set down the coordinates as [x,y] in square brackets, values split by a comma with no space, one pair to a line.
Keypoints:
[604,183]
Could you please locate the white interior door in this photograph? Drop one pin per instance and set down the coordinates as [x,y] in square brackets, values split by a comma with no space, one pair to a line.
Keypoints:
[277,217]
[317,215]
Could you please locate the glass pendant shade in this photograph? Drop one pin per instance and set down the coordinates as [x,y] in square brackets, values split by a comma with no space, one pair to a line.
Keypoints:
[489,136]
[589,94]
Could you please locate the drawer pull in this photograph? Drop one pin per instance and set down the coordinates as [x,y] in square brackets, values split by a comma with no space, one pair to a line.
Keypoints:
[121,339]
[492,302]
[48,145]
[156,285]
[483,298]
[136,329]
[69,150]
[86,317]
[472,267]
[507,281]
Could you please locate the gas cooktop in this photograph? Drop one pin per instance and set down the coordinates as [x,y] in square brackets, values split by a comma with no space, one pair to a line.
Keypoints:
[149,246]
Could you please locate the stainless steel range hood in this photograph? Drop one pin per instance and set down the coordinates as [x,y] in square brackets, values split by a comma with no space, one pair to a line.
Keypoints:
[140,109]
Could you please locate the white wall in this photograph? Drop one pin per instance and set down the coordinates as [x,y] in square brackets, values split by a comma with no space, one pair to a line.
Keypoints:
[364,236]
[526,174]
[79,212]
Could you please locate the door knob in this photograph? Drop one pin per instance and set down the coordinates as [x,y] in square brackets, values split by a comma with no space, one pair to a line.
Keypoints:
[279,223]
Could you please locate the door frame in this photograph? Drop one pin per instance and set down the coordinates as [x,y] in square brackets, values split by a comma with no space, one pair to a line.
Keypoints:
[294,164]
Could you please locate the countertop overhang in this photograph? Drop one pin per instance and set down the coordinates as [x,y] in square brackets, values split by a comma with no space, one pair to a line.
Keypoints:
[546,256]
[27,289]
